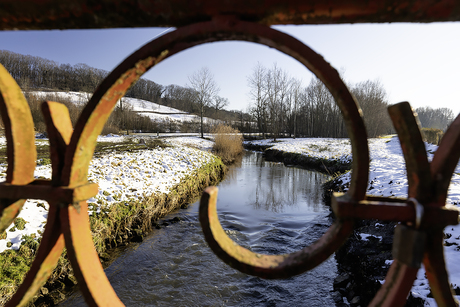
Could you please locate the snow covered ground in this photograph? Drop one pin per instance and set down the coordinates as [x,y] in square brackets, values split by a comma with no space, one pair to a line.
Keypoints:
[387,177]
[121,177]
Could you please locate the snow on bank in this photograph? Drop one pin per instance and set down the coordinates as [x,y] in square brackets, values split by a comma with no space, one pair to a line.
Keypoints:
[325,148]
[387,177]
[121,177]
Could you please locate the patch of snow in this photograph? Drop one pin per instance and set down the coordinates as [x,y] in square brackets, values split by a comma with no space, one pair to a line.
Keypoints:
[365,236]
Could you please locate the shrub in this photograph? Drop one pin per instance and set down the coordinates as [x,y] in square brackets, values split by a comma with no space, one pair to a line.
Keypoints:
[432,135]
[228,143]
[109,129]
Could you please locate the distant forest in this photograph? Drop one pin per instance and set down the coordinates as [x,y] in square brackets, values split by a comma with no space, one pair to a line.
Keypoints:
[279,105]
[38,74]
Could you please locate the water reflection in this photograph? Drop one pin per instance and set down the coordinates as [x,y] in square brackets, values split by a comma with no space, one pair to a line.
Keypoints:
[273,187]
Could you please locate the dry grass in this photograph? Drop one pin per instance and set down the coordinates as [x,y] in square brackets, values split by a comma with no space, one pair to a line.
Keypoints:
[432,135]
[228,143]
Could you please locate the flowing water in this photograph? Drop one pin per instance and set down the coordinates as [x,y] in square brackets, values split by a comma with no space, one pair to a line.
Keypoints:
[264,206]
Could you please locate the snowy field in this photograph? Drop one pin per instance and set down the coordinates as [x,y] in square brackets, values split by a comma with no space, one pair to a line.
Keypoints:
[121,177]
[387,177]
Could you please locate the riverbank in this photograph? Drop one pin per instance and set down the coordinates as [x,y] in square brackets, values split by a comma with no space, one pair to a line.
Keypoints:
[364,260]
[329,156]
[136,187]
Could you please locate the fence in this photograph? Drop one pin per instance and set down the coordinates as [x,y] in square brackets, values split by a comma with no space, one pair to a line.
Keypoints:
[419,237]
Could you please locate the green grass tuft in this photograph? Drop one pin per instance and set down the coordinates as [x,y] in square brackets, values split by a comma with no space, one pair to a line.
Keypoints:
[20,223]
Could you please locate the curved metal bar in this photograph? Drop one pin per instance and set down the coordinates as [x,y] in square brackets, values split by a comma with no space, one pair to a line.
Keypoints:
[82,144]
[436,271]
[288,265]
[421,176]
[445,161]
[418,168]
[59,128]
[20,137]
[92,280]
[266,266]
[398,283]
[98,109]
[442,168]
[45,261]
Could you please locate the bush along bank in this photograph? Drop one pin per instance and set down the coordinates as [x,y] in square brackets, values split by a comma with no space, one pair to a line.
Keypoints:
[114,226]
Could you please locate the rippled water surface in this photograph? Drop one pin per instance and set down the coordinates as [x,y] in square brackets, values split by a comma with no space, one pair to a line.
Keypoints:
[264,206]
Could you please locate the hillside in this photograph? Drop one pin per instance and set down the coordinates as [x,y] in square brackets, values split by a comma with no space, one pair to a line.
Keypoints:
[36,75]
[130,114]
[154,111]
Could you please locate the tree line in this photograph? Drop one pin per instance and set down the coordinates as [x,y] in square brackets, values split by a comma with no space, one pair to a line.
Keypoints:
[439,118]
[32,72]
[280,105]
[35,73]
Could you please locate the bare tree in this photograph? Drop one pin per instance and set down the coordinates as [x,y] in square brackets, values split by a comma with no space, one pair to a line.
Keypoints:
[202,81]
[258,97]
[292,102]
[276,83]
[219,103]
[371,97]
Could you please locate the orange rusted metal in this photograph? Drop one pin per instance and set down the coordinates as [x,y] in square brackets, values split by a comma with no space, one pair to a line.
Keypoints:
[398,283]
[86,14]
[306,259]
[19,132]
[204,22]
[266,266]
[392,209]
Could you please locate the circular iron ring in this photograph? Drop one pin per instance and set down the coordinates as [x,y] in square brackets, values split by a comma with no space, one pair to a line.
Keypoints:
[117,83]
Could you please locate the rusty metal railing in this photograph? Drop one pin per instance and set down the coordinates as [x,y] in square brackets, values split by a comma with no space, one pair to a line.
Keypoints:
[422,217]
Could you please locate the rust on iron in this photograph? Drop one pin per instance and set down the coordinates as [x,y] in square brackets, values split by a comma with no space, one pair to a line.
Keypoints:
[445,160]
[398,283]
[421,189]
[46,258]
[209,21]
[86,14]
[59,130]
[393,209]
[93,118]
[266,266]
[93,282]
[410,137]
[48,192]
[20,137]
[436,271]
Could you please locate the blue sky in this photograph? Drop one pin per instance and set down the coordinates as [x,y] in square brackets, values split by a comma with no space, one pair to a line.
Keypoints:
[419,63]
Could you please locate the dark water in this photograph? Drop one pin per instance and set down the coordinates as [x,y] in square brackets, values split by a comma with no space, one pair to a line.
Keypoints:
[264,206]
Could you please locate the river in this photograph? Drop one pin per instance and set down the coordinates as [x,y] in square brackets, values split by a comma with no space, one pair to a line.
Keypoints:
[264,206]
